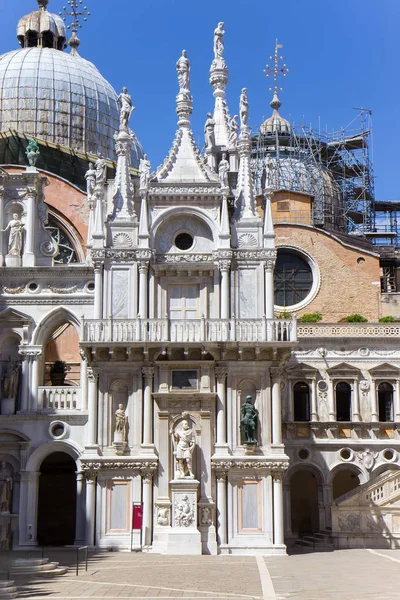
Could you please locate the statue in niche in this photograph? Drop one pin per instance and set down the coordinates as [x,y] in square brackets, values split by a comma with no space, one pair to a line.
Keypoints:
[90,177]
[6,485]
[120,420]
[234,132]
[209,133]
[184,516]
[184,439]
[223,170]
[144,172]
[32,152]
[11,379]
[183,70]
[126,108]
[219,40]
[244,108]
[15,226]
[101,171]
[248,422]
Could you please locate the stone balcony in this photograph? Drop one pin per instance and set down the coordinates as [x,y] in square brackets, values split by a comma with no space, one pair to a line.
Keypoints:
[59,398]
[195,331]
[348,330]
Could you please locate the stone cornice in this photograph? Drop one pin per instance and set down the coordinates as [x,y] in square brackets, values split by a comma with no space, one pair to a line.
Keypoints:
[136,466]
[221,465]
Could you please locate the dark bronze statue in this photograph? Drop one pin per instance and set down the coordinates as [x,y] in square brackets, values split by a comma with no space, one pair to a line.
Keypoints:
[248,422]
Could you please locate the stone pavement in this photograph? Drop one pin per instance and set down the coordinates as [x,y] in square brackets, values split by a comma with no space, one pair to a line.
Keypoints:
[340,575]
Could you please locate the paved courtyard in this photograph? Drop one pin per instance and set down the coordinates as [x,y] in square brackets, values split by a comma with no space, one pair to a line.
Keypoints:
[345,575]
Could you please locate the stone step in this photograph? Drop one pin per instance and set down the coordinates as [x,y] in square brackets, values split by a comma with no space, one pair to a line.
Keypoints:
[322,536]
[29,561]
[7,595]
[49,566]
[4,584]
[53,573]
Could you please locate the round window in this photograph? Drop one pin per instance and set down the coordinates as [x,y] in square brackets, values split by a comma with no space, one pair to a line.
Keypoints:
[184,241]
[293,278]
[58,430]
[346,454]
[303,454]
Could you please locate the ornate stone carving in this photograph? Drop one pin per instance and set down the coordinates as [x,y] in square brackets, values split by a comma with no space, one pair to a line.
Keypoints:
[205,516]
[367,458]
[365,387]
[163,516]
[246,239]
[15,227]
[184,439]
[144,173]
[233,132]
[179,258]
[139,467]
[221,373]
[185,190]
[62,290]
[349,522]
[93,373]
[122,240]
[184,510]
[101,173]
[16,290]
[148,372]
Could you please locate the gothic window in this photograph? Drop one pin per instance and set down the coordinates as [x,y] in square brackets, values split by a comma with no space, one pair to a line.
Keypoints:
[343,401]
[293,278]
[301,401]
[385,401]
[66,249]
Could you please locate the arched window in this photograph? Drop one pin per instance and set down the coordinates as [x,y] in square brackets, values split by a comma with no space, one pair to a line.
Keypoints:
[385,401]
[292,278]
[66,249]
[301,401]
[343,401]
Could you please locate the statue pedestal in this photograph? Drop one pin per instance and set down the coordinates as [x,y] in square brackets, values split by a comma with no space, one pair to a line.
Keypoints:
[8,406]
[119,443]
[183,536]
[13,261]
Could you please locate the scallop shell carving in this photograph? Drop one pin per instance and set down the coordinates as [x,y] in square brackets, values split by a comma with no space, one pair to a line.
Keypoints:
[122,240]
[247,240]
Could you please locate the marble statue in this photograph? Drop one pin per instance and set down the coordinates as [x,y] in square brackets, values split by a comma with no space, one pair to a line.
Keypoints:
[6,485]
[223,170]
[90,177]
[184,516]
[183,70]
[144,172]
[126,108]
[248,422]
[32,152]
[219,40]
[244,107]
[233,132]
[184,441]
[15,226]
[11,379]
[120,419]
[209,133]
[101,171]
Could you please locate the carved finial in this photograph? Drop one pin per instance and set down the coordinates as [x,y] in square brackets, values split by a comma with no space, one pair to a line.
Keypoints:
[42,4]
[275,71]
[76,12]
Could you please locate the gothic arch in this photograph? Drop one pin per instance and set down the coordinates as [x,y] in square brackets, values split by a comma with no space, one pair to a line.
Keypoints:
[308,466]
[38,455]
[343,466]
[184,211]
[56,317]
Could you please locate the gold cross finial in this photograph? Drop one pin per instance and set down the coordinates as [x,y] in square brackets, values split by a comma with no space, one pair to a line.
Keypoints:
[276,70]
[76,11]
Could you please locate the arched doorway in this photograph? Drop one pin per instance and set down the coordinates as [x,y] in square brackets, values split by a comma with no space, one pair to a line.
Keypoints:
[344,481]
[304,502]
[57,501]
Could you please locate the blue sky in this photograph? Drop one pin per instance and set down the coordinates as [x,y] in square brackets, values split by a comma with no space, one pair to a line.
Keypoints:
[341,54]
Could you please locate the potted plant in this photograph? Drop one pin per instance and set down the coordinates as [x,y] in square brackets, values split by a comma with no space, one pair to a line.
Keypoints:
[58,372]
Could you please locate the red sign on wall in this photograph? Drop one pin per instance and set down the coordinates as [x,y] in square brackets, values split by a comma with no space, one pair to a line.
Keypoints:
[137,516]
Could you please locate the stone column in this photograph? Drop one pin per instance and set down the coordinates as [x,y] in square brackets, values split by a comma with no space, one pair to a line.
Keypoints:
[25,379]
[374,402]
[331,401]
[93,375]
[356,402]
[396,401]
[290,401]
[287,512]
[90,508]
[276,377]
[277,476]
[269,289]
[147,481]
[28,504]
[98,291]
[84,385]
[35,366]
[224,267]
[221,507]
[314,406]
[221,373]
[327,493]
[148,373]
[143,289]
[80,523]
[29,248]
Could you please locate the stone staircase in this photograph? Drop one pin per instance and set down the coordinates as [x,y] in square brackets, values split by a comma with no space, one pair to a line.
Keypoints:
[8,590]
[317,541]
[37,567]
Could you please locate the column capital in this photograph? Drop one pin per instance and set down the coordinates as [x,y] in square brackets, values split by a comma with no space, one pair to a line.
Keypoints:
[30,352]
[269,264]
[147,476]
[224,265]
[276,373]
[144,267]
[221,372]
[93,373]
[148,373]
[278,470]
[221,475]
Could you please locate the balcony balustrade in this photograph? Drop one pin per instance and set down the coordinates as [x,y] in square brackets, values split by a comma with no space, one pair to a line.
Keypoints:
[59,398]
[353,330]
[131,331]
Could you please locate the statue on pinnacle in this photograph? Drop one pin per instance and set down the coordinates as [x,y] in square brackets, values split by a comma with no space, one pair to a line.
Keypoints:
[183,71]
[126,107]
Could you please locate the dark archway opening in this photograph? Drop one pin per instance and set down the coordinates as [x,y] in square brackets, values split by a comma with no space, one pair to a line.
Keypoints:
[57,501]
[301,401]
[385,401]
[304,503]
[343,401]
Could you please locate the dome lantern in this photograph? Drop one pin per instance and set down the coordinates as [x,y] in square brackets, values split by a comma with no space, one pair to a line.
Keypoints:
[276,124]
[41,29]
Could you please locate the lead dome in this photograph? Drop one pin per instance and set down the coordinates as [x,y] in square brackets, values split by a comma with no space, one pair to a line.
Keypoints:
[55,96]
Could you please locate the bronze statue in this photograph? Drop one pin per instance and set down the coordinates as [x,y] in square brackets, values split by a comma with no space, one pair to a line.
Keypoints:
[248,422]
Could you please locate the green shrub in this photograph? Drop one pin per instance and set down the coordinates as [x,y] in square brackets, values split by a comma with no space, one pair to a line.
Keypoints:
[355,319]
[284,315]
[311,318]
[387,320]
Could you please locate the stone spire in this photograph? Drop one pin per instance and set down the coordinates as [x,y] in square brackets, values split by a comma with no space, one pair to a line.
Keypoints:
[219,81]
[245,199]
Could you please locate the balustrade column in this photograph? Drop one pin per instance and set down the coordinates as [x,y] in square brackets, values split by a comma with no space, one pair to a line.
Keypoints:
[224,267]
[356,402]
[147,481]
[221,373]
[79,527]
[276,376]
[277,476]
[314,406]
[374,402]
[93,375]
[269,289]
[148,373]
[221,507]
[90,508]
[143,289]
